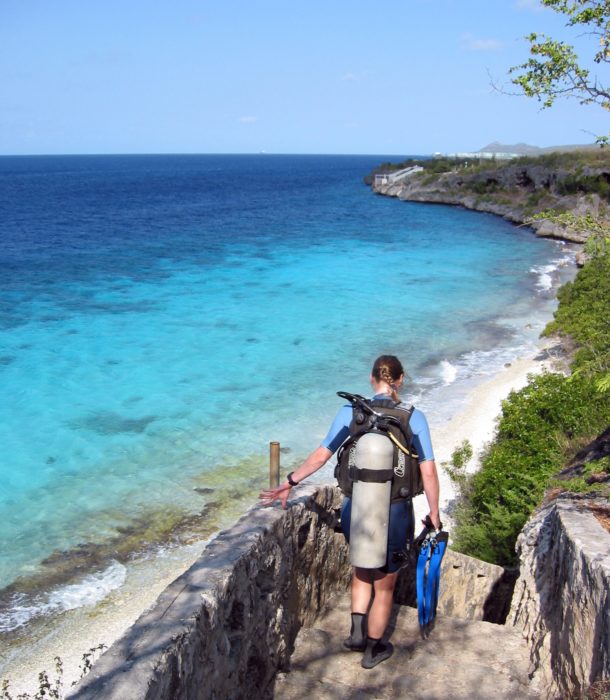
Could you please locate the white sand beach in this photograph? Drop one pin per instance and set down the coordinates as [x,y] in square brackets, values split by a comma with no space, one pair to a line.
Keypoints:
[85,628]
[476,422]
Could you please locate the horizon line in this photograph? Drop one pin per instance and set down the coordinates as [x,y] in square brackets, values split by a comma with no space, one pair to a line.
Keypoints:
[193,153]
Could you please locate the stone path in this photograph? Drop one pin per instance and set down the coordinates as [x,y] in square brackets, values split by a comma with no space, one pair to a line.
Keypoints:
[461,660]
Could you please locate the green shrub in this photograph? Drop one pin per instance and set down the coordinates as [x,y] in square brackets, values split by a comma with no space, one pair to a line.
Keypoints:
[456,468]
[541,426]
[538,425]
[592,157]
[576,183]
[428,179]
[583,314]
[534,199]
[585,481]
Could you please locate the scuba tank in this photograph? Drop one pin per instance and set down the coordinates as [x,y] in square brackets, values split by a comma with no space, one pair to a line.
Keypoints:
[392,420]
[370,516]
[375,466]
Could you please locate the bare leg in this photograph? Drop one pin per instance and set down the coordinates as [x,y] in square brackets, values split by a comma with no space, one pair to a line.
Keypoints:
[362,590]
[381,609]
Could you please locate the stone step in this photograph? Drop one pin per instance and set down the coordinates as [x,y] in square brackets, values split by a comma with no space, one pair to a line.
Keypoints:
[461,660]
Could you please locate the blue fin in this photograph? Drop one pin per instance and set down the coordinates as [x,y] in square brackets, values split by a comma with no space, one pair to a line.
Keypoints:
[428,576]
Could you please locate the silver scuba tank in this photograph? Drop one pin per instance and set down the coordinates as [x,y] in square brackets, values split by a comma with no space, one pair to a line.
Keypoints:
[370,516]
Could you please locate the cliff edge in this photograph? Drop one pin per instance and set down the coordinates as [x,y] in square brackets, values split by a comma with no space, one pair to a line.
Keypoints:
[516,190]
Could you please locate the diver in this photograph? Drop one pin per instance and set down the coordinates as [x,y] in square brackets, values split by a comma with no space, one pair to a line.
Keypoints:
[372,589]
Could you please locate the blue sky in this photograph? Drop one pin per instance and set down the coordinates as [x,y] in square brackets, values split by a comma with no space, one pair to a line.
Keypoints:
[244,76]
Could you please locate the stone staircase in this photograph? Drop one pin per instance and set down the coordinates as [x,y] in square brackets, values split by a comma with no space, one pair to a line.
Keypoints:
[462,660]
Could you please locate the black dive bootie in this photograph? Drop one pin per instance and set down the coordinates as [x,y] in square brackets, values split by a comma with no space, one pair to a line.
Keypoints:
[357,636]
[376,651]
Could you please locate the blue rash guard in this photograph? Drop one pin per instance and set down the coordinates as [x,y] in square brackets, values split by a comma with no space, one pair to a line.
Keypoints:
[402,519]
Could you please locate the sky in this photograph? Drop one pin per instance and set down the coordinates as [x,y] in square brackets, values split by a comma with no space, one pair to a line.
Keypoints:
[279,76]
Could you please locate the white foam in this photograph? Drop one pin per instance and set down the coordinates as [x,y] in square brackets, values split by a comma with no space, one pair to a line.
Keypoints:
[456,378]
[89,591]
[473,364]
[448,372]
[489,362]
[547,278]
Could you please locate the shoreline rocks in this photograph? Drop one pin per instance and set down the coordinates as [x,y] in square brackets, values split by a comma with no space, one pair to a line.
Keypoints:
[515,193]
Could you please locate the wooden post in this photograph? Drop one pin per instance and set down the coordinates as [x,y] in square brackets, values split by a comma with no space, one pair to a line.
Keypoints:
[274,465]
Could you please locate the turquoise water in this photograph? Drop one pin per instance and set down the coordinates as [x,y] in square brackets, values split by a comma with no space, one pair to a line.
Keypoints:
[163,318]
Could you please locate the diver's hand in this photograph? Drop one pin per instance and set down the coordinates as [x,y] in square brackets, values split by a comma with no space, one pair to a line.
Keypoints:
[433,522]
[281,494]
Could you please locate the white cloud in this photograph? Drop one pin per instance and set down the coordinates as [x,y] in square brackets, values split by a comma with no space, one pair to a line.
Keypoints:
[354,77]
[248,120]
[472,43]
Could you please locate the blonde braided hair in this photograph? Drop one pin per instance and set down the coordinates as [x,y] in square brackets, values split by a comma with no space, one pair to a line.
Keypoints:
[388,369]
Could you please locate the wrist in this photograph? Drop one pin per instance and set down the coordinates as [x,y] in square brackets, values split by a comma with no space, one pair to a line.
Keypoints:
[290,480]
[434,519]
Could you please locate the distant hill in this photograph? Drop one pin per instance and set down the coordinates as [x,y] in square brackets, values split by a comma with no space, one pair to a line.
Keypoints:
[524,149]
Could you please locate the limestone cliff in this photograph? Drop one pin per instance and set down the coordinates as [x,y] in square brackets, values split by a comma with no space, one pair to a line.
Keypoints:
[515,191]
[562,598]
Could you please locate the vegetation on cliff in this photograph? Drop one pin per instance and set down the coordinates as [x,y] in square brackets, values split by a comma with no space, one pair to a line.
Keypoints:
[556,420]
[559,194]
[543,427]
[574,181]
[430,165]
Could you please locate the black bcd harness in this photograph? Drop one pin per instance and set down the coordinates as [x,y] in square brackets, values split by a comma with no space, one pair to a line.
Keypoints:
[391,419]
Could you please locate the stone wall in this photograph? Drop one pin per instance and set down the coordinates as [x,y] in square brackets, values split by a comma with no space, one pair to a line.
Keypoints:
[561,601]
[470,589]
[225,626]
[228,624]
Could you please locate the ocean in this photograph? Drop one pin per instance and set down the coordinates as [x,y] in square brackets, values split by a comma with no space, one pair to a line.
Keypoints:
[162,318]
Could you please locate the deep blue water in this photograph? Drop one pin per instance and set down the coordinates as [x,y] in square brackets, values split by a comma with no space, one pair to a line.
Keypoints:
[163,317]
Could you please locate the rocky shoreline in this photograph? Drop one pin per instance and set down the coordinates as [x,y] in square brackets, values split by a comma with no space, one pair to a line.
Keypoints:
[515,191]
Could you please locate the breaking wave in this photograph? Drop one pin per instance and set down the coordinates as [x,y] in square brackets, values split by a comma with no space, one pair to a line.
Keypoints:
[89,591]
[547,275]
[449,372]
